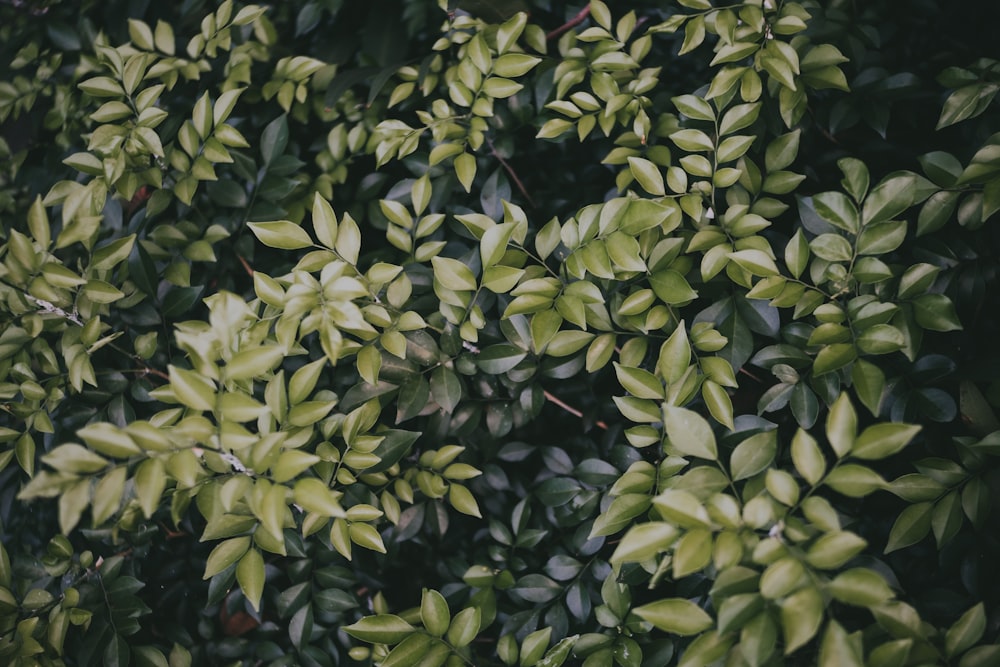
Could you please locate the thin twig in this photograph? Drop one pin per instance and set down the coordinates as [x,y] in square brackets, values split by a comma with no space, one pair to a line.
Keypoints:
[570,409]
[510,172]
[580,17]
[246,265]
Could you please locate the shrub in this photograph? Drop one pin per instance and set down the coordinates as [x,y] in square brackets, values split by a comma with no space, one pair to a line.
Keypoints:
[395,333]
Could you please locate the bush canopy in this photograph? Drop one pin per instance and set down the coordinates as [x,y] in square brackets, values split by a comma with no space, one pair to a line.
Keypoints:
[412,333]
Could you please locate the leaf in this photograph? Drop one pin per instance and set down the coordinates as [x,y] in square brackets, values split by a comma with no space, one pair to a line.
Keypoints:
[274,139]
[676,616]
[74,458]
[807,457]
[753,455]
[446,389]
[832,248]
[966,631]
[911,526]
[380,629]
[225,554]
[838,210]
[801,615]
[689,433]
[150,482]
[644,541]
[465,170]
[936,312]
[833,550]
[842,425]
[882,440]
[281,234]
[639,383]
[888,199]
[837,649]
[682,508]
[694,107]
[465,626]
[250,575]
[861,587]
[434,613]
[499,358]
[855,481]
[965,103]
[453,274]
[757,262]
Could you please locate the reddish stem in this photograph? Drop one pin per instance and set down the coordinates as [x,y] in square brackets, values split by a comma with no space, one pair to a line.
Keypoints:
[580,17]
[246,266]
[570,409]
[510,172]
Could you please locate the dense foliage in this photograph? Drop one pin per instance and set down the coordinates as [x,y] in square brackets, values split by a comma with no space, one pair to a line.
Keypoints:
[501,333]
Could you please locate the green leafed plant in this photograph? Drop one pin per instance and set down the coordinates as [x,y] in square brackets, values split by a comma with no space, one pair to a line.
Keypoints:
[414,333]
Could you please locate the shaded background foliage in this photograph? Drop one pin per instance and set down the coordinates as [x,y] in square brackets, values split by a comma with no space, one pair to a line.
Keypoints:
[533,570]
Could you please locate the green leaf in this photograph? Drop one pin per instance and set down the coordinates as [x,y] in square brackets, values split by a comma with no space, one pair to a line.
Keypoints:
[753,455]
[837,649]
[888,199]
[966,631]
[832,248]
[314,496]
[273,140]
[365,535]
[911,526]
[150,482]
[936,312]
[463,501]
[465,170]
[534,645]
[689,433]
[410,651]
[861,587]
[842,425]
[781,578]
[225,554]
[981,656]
[499,358]
[807,457]
[782,151]
[869,384]
[676,616]
[690,140]
[965,103]
[453,274]
[838,210]
[639,383]
[882,440]
[801,616]
[757,262]
[281,234]
[855,481]
[834,357]
[250,575]
[73,458]
[738,117]
[648,175]
[464,627]
[434,613]
[380,629]
[644,541]
[833,550]
[682,508]
[694,107]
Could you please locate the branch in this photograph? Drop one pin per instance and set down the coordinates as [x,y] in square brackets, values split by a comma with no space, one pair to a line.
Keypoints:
[510,172]
[551,398]
[580,17]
